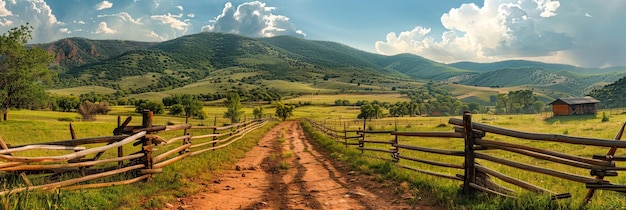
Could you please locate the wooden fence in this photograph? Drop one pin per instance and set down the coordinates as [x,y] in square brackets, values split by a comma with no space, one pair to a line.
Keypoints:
[476,176]
[88,165]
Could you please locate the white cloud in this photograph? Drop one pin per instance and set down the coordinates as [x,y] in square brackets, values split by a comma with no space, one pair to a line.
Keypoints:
[171,20]
[548,7]
[65,30]
[124,17]
[180,7]
[79,22]
[252,19]
[103,28]
[4,22]
[3,10]
[103,5]
[500,29]
[588,15]
[191,15]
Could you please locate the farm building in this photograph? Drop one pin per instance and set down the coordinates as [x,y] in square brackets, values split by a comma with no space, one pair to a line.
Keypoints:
[574,106]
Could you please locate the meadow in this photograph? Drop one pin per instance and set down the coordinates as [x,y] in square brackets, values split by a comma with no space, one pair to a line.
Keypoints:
[27,126]
[583,126]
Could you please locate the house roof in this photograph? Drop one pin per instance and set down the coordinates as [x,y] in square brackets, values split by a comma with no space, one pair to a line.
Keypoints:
[578,100]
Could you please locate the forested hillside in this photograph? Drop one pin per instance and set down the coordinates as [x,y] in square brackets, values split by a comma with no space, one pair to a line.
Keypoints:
[218,62]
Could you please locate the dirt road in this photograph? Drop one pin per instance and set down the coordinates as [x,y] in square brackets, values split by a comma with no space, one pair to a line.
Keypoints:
[286,171]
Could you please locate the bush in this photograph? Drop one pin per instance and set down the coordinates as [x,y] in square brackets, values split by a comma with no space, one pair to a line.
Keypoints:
[66,119]
[605,118]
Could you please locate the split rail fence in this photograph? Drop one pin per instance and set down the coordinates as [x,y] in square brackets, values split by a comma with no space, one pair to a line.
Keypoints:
[476,176]
[85,167]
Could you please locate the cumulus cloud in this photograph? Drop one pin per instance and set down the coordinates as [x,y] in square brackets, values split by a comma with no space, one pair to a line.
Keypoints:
[103,28]
[103,5]
[3,10]
[500,29]
[252,19]
[35,12]
[123,17]
[65,30]
[547,7]
[172,21]
[180,7]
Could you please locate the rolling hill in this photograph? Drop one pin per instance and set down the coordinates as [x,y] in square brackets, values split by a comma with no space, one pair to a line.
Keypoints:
[485,67]
[218,62]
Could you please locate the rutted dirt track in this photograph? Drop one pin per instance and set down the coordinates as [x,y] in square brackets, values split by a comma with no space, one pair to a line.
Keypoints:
[285,171]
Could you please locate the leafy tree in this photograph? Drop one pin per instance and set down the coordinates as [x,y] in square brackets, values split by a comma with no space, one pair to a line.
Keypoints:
[193,107]
[258,112]
[21,70]
[369,111]
[68,103]
[155,107]
[233,103]
[177,109]
[284,111]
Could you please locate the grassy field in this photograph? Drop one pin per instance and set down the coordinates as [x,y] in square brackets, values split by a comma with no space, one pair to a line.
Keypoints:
[330,99]
[584,126]
[28,126]
[82,90]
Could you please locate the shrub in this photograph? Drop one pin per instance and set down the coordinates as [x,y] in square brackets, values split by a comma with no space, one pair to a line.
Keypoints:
[66,119]
[605,118]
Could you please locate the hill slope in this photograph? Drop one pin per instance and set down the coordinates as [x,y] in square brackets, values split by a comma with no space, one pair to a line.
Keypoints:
[485,67]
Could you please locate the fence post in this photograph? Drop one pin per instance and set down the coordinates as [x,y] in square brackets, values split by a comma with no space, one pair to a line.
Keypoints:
[214,132]
[146,122]
[362,139]
[396,154]
[470,171]
[345,135]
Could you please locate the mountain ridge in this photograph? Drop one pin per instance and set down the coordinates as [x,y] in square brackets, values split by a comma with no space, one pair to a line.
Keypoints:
[207,57]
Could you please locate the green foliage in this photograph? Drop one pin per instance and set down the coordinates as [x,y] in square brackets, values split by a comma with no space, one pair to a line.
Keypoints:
[605,118]
[233,103]
[284,111]
[21,70]
[369,111]
[258,112]
[517,102]
[612,95]
[177,109]
[67,103]
[155,107]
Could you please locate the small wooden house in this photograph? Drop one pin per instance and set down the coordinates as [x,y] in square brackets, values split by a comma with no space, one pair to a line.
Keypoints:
[574,106]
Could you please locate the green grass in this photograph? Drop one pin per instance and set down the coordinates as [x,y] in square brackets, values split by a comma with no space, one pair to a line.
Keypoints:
[135,82]
[586,126]
[353,98]
[82,90]
[180,179]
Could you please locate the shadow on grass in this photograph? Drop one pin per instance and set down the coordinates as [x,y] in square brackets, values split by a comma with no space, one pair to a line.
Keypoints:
[566,119]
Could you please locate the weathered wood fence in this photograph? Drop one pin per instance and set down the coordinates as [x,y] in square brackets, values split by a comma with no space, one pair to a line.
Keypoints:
[83,167]
[476,176]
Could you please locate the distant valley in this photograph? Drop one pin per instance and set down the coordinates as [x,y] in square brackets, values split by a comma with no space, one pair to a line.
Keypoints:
[219,63]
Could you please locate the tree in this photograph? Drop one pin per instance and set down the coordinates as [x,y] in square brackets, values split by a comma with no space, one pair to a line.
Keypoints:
[284,111]
[233,103]
[177,109]
[21,70]
[258,112]
[369,111]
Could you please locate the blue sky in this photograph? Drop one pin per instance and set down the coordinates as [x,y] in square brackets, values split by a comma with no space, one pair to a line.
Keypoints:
[585,33]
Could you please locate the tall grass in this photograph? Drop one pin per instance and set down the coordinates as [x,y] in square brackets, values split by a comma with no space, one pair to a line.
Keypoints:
[589,126]
[180,179]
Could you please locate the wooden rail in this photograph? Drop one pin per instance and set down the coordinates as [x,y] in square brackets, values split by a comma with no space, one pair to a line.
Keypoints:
[475,176]
[154,154]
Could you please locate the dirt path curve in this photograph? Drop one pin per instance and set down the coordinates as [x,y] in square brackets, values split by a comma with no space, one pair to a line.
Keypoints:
[285,171]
